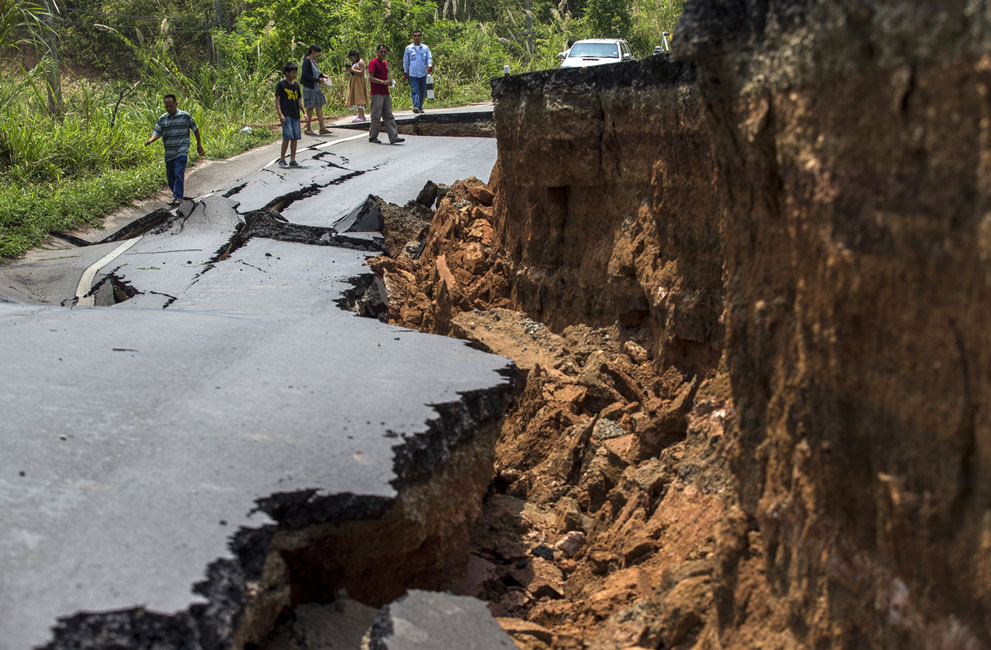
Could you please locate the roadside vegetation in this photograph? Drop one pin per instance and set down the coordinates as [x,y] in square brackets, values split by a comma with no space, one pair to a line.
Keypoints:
[81,82]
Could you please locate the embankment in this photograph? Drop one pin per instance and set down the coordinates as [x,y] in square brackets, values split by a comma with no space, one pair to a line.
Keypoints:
[594,261]
[747,292]
[853,144]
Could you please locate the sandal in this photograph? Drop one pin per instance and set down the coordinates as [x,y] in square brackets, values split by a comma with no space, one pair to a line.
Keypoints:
[358,119]
[324,131]
[308,132]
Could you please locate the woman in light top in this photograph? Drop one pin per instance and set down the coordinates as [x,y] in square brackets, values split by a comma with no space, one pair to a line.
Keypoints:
[357,96]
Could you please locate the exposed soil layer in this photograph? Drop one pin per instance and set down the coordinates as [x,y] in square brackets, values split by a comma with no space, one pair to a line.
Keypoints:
[421,536]
[853,140]
[608,482]
[749,318]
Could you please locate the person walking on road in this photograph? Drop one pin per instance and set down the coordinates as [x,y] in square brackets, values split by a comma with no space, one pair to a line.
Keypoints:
[313,98]
[378,72]
[173,128]
[289,105]
[417,64]
[357,91]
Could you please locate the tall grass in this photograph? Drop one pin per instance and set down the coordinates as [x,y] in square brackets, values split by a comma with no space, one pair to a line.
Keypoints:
[59,174]
[29,212]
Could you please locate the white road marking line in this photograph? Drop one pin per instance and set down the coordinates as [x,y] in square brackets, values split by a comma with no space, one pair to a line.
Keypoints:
[332,142]
[86,280]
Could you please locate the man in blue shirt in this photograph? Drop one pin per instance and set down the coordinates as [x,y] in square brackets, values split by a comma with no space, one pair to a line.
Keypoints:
[417,64]
[173,128]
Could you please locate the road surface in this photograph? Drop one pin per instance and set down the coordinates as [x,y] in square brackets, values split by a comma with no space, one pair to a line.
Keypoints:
[152,448]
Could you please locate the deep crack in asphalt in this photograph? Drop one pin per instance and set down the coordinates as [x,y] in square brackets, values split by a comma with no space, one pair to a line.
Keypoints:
[227,588]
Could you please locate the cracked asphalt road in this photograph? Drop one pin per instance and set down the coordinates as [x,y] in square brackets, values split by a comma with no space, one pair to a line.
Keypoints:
[139,443]
[395,173]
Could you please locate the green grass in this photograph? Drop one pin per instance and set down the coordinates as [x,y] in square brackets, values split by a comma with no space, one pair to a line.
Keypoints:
[58,175]
[29,212]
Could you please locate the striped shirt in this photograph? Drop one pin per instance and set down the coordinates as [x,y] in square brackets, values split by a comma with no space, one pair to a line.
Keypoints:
[174,131]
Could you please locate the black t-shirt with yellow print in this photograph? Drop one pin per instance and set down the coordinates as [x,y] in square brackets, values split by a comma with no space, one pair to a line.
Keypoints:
[288,94]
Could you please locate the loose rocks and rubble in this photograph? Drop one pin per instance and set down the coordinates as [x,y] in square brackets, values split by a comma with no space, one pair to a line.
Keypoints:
[592,501]
[759,388]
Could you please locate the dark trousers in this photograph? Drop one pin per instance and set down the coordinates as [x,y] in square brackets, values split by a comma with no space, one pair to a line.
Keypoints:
[175,172]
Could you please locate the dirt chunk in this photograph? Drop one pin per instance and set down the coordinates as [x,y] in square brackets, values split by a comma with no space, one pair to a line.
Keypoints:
[589,508]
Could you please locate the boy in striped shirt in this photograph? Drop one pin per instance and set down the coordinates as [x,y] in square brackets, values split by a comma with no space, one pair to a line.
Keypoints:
[173,128]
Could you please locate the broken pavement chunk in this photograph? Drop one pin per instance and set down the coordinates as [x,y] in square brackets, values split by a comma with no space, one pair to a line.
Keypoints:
[339,625]
[428,195]
[367,217]
[430,620]
[545,552]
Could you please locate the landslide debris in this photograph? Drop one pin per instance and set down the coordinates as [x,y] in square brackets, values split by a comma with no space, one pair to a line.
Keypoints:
[608,482]
[600,275]
[748,293]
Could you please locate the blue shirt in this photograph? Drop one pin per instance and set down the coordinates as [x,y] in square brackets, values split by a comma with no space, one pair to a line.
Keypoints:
[174,131]
[416,59]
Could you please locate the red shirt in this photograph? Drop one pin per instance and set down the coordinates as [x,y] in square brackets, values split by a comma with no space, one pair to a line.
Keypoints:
[379,70]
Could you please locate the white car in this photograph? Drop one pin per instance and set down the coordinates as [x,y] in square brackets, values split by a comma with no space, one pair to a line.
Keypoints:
[596,51]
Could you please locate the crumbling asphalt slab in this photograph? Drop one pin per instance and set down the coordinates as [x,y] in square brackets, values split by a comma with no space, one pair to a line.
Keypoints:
[355,168]
[51,277]
[150,455]
[200,411]
[400,171]
[338,174]
[273,184]
[161,265]
[340,625]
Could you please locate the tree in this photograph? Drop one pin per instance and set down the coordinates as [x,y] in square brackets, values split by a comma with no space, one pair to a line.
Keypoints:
[609,18]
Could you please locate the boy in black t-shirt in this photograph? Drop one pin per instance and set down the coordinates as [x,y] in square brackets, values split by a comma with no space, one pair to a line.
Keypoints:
[289,104]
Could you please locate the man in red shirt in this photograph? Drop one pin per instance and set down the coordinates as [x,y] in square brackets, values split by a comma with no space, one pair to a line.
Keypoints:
[378,74]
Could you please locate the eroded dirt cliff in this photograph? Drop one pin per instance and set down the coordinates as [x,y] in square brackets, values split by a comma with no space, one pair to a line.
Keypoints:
[853,143]
[596,265]
[748,300]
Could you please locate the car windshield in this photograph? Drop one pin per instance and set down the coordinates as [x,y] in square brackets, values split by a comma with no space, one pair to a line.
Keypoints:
[601,50]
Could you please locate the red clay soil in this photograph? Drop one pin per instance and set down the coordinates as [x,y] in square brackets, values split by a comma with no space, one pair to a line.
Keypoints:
[749,296]
[604,447]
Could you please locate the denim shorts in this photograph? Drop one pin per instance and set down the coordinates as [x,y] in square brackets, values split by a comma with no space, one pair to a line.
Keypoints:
[290,130]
